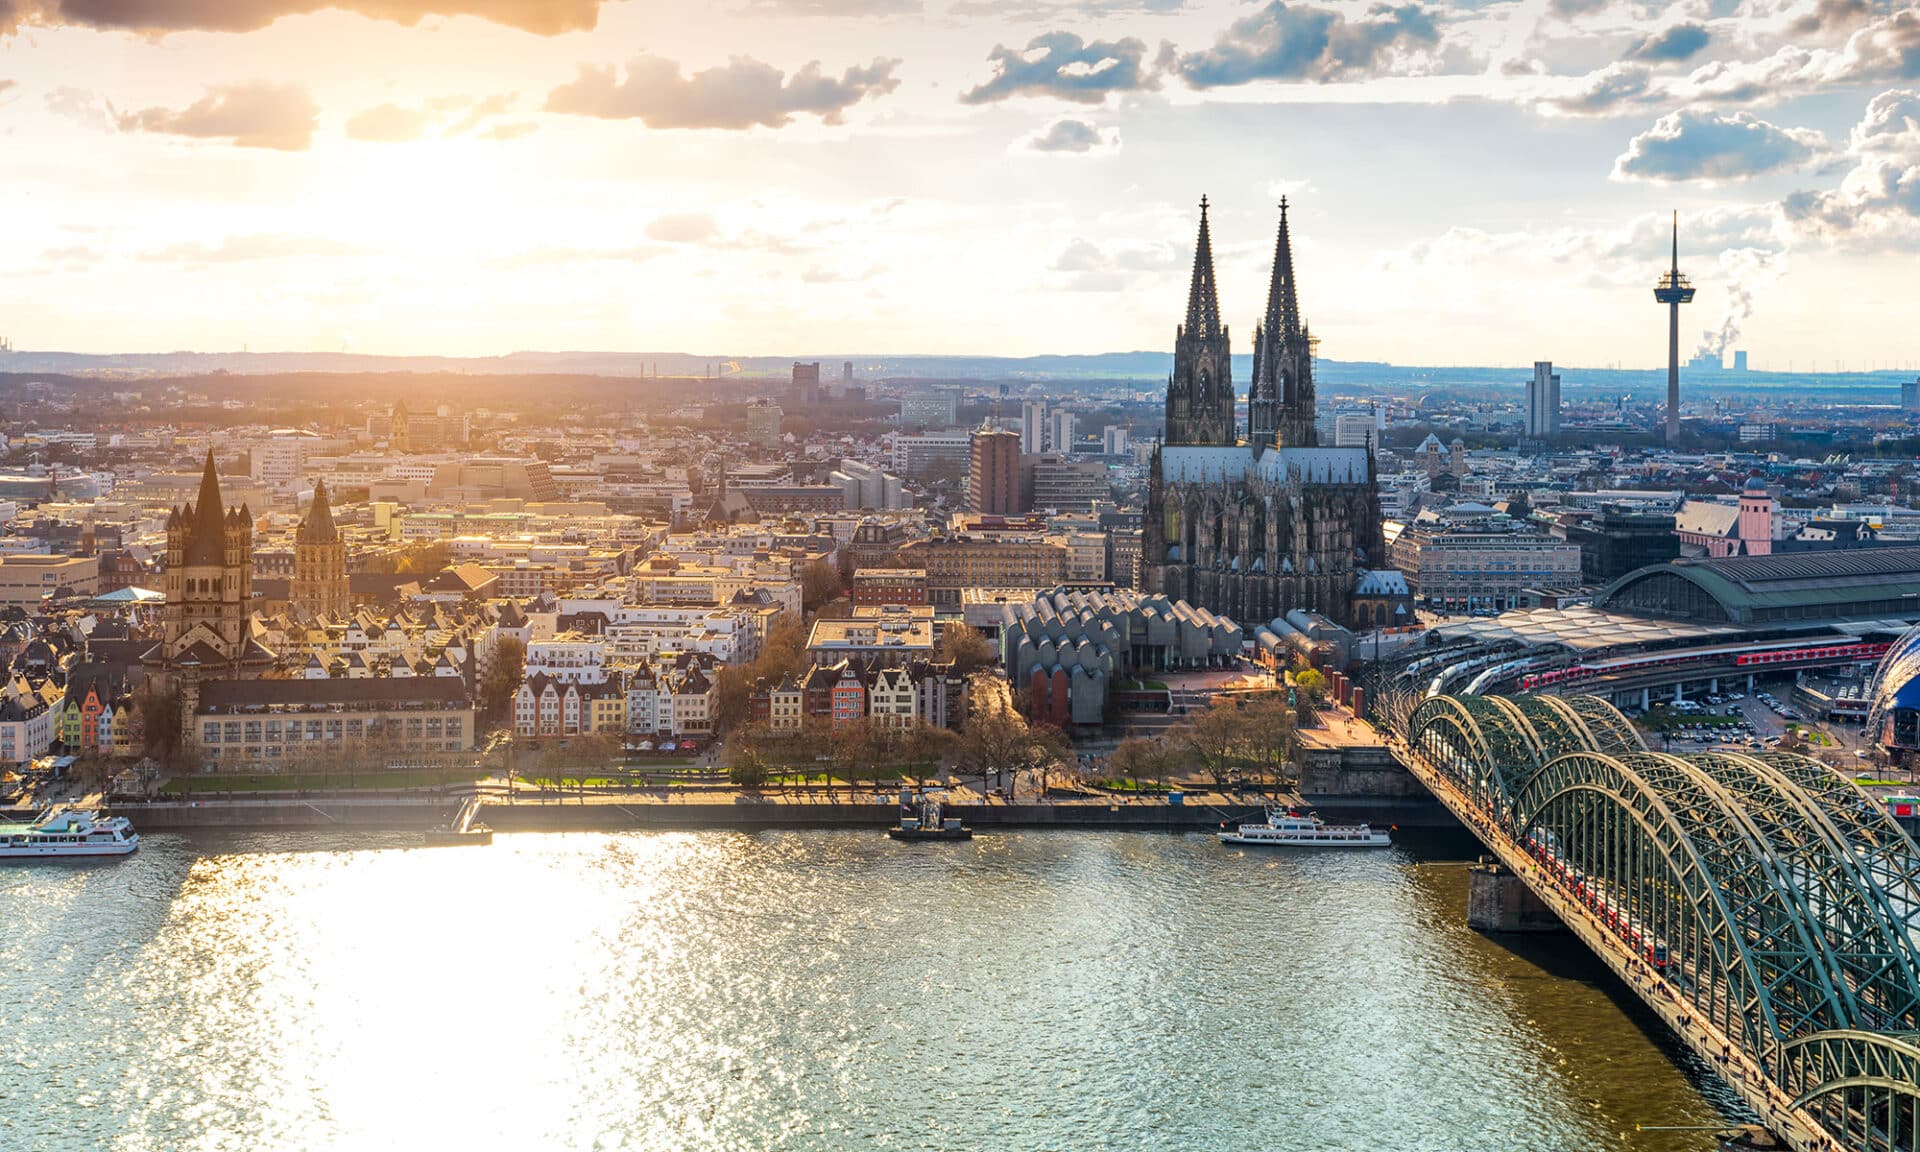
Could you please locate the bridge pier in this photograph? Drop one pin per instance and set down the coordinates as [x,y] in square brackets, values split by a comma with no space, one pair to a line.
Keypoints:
[1499,901]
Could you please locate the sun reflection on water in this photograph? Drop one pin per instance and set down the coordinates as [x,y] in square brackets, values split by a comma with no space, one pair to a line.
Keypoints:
[794,990]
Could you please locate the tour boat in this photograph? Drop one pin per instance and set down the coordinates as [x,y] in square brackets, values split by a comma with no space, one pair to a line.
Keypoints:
[62,832]
[1287,828]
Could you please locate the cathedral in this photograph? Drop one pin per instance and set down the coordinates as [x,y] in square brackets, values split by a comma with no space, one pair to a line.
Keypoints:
[1254,525]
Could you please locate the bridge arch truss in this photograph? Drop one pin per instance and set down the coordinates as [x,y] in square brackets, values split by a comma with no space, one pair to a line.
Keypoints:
[1766,894]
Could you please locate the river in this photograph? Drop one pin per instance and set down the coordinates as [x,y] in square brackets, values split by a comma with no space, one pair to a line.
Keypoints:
[804,990]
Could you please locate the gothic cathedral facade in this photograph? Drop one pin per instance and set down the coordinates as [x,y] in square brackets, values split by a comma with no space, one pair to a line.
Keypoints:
[1253,527]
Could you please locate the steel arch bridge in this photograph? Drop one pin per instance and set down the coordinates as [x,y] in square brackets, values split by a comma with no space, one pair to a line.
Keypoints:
[1760,903]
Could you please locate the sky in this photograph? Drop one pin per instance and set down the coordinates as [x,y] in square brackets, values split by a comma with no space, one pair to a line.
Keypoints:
[1470,183]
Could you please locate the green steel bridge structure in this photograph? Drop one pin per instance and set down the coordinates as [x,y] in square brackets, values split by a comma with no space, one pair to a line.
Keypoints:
[1762,905]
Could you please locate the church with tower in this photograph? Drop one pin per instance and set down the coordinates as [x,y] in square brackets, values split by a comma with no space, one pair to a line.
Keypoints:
[320,562]
[1252,522]
[207,629]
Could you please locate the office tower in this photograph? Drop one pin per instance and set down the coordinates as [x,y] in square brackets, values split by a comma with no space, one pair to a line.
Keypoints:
[1543,402]
[1061,432]
[806,383]
[993,481]
[763,424]
[1033,427]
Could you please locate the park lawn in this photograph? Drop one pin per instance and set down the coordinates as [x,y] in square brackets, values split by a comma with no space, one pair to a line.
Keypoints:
[317,781]
[1130,785]
[1870,782]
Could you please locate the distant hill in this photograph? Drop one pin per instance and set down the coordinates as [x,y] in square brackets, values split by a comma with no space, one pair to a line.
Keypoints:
[1148,369]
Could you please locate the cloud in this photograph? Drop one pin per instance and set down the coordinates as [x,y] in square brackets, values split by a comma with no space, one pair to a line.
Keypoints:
[1054,9]
[540,257]
[1573,9]
[1615,89]
[278,116]
[1704,145]
[1671,45]
[1886,50]
[1826,16]
[248,247]
[510,130]
[445,116]
[683,228]
[1302,42]
[834,7]
[1061,64]
[1084,266]
[79,104]
[739,95]
[545,17]
[388,122]
[1877,204]
[1077,137]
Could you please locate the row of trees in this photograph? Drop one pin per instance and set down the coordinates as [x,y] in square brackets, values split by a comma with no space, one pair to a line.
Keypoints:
[1236,736]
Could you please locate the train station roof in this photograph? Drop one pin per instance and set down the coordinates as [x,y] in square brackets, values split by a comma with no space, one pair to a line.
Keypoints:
[1581,629]
[1841,584]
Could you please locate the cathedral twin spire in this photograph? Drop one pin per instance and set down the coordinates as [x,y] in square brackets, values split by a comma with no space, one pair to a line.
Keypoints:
[1203,299]
[1200,393]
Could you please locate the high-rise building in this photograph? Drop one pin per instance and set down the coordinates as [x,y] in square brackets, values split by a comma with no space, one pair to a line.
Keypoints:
[868,487]
[933,451]
[319,561]
[763,424]
[939,408]
[1543,402]
[806,383]
[846,376]
[1060,432]
[993,482]
[280,460]
[1113,440]
[1910,395]
[1059,485]
[1033,427]
[1354,428]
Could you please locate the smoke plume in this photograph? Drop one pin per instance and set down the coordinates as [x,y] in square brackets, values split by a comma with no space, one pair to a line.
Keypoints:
[1745,272]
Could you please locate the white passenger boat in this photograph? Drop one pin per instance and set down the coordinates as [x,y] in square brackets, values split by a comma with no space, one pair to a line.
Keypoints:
[1286,828]
[63,832]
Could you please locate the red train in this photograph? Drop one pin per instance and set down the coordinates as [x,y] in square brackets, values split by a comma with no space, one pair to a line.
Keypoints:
[1540,846]
[1763,658]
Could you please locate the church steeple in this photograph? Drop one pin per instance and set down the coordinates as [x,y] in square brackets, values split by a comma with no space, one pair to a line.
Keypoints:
[1203,299]
[318,527]
[1200,391]
[207,525]
[1281,400]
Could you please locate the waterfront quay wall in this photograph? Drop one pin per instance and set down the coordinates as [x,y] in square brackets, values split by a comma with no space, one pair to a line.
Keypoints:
[267,813]
[1367,782]
[605,814]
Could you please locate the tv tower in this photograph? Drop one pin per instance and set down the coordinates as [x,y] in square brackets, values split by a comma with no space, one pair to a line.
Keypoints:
[1673,290]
